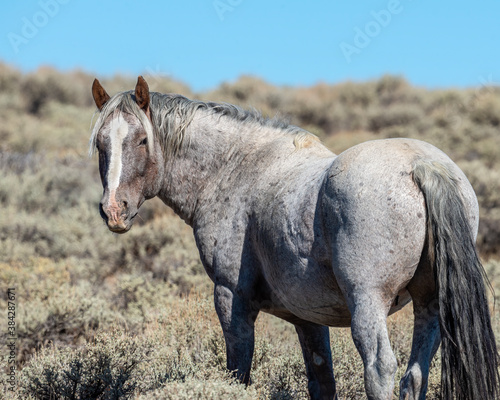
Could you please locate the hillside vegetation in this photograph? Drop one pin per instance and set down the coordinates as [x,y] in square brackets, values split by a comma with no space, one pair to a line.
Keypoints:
[106,316]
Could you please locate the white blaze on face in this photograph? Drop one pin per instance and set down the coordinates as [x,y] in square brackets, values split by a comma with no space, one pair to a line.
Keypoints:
[117,133]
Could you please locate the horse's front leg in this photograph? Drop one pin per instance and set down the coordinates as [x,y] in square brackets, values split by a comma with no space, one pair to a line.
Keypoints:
[315,342]
[237,319]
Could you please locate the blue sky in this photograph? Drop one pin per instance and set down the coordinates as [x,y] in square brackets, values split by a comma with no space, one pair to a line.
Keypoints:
[206,42]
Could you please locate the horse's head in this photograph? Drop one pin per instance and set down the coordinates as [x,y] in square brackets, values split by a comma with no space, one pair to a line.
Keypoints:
[130,157]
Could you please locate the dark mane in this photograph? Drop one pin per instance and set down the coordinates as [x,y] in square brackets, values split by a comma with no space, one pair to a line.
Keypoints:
[185,106]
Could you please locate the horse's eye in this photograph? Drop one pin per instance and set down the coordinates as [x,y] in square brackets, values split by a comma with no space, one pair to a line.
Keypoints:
[144,142]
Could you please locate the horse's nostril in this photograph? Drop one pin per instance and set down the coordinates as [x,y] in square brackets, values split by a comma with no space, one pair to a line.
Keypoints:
[124,204]
[101,211]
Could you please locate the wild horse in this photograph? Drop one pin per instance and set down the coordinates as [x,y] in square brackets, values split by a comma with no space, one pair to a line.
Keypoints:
[286,227]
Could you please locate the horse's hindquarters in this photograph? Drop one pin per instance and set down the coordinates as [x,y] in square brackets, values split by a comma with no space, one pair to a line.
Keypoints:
[375,220]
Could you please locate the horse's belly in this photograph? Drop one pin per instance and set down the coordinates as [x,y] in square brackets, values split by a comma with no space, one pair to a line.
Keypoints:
[337,316]
[322,303]
[311,293]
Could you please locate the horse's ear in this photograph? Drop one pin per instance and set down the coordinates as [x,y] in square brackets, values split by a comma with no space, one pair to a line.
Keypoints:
[142,95]
[99,94]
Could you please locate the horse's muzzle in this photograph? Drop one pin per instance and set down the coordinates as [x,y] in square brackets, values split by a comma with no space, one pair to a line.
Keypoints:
[117,217]
[118,226]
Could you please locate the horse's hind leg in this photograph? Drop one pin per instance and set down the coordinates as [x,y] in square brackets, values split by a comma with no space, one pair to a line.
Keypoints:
[426,339]
[369,332]
[315,342]
[426,333]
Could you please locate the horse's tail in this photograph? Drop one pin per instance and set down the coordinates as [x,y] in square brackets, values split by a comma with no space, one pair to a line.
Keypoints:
[468,350]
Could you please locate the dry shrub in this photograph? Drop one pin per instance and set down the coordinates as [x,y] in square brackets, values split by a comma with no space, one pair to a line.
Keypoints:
[398,115]
[103,369]
[486,182]
[485,108]
[47,85]
[193,389]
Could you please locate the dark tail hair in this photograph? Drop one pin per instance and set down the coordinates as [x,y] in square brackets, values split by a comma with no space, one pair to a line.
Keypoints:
[469,356]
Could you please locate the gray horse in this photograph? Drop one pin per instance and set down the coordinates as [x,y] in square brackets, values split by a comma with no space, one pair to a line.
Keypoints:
[286,227]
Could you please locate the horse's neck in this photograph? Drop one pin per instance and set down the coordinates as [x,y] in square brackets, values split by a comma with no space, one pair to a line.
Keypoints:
[214,147]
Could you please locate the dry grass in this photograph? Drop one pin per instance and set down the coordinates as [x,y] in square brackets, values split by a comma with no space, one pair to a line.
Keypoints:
[106,316]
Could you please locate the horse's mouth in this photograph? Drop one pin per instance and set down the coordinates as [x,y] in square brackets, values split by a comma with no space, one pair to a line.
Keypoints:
[122,225]
[119,229]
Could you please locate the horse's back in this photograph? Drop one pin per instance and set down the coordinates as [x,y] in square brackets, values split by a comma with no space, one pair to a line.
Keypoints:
[380,170]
